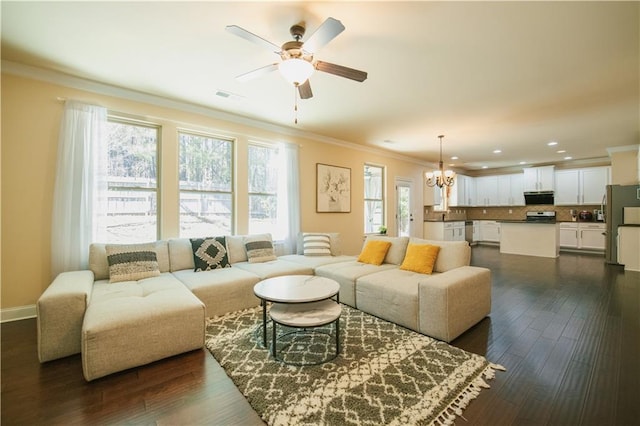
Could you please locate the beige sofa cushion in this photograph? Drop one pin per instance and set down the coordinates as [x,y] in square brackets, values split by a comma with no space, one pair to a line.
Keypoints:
[396,252]
[132,323]
[453,254]
[181,254]
[237,250]
[100,267]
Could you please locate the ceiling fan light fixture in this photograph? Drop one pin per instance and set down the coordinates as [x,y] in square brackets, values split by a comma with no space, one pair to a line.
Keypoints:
[296,71]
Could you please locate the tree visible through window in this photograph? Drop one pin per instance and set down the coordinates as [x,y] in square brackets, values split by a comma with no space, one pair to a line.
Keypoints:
[263,190]
[206,186]
[373,198]
[132,208]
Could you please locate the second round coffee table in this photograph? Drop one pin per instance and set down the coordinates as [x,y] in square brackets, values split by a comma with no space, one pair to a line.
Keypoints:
[293,289]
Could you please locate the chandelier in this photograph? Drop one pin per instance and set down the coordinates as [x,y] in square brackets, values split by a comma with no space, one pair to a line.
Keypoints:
[440,177]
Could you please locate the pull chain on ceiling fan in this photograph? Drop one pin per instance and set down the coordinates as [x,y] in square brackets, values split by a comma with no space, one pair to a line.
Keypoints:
[297,58]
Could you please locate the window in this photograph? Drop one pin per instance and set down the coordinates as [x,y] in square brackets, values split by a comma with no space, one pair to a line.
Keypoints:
[373,198]
[132,192]
[206,185]
[263,191]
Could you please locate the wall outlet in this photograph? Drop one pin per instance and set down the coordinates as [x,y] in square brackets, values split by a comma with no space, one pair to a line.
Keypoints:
[510,211]
[484,211]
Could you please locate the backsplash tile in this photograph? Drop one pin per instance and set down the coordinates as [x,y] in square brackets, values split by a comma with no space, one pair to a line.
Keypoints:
[563,213]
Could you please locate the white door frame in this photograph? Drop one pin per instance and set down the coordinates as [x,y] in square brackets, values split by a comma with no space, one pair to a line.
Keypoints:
[413,222]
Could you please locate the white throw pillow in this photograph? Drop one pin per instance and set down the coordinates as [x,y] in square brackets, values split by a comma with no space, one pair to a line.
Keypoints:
[316,244]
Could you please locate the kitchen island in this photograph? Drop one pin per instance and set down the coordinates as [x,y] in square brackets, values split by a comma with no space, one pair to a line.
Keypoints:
[530,238]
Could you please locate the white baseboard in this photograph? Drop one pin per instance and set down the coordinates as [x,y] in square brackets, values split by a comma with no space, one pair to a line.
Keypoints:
[18,313]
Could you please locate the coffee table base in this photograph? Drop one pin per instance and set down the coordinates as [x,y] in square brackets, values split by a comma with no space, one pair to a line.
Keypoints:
[306,318]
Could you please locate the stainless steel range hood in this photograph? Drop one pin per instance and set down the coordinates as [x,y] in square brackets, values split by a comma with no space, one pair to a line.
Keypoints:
[538,198]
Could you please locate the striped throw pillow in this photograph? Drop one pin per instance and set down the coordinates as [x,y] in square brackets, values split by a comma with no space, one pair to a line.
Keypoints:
[316,244]
[259,248]
[132,262]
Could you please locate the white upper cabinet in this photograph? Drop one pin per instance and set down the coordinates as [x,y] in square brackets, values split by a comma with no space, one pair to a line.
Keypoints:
[581,186]
[463,192]
[594,183]
[487,191]
[511,190]
[539,178]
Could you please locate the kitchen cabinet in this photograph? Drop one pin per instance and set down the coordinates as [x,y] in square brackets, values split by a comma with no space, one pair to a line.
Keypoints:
[446,231]
[591,236]
[489,231]
[476,231]
[539,178]
[511,190]
[428,195]
[629,247]
[487,191]
[580,186]
[569,235]
[463,193]
[582,235]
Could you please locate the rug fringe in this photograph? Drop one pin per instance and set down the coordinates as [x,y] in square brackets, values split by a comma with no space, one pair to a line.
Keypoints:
[454,410]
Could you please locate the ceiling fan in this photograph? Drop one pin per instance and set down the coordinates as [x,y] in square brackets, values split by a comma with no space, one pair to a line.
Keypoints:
[297,57]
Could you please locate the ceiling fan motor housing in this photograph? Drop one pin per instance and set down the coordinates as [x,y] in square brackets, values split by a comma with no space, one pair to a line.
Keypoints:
[293,49]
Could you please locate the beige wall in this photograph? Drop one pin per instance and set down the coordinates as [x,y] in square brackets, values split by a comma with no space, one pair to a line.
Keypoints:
[625,166]
[31,114]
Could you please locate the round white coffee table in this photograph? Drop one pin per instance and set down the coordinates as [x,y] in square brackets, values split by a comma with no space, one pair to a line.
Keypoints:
[294,289]
[304,316]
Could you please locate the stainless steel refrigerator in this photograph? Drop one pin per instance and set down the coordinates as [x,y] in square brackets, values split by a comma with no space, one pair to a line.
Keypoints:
[618,196]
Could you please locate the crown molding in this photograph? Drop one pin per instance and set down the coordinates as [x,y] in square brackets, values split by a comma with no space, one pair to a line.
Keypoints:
[625,148]
[74,82]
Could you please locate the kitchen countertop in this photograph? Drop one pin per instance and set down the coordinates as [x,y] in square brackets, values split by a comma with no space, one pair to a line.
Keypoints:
[445,220]
[526,221]
[631,225]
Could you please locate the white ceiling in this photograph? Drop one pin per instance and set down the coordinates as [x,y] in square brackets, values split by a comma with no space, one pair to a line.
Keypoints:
[488,75]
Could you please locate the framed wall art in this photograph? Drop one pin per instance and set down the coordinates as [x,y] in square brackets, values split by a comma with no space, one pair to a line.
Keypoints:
[333,189]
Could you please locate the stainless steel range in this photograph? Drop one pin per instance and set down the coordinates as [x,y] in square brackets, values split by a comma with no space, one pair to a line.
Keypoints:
[544,216]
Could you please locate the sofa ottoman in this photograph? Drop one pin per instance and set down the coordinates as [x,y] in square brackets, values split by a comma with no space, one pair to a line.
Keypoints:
[132,323]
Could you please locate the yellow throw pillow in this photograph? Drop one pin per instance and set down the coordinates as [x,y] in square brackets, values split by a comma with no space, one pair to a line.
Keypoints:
[374,252]
[420,258]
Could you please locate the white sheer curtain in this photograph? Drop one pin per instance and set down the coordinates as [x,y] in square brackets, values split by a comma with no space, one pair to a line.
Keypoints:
[80,185]
[289,196]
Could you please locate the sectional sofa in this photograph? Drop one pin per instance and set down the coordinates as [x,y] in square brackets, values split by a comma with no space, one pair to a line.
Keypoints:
[120,325]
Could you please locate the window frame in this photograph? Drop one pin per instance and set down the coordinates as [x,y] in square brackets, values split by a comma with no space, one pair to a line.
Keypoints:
[274,147]
[113,117]
[232,191]
[382,194]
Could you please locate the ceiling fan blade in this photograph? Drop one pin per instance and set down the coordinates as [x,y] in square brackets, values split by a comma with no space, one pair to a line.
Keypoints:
[305,90]
[257,73]
[326,32]
[241,32]
[341,71]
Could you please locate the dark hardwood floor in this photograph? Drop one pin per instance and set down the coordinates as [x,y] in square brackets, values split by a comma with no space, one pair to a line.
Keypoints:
[567,330]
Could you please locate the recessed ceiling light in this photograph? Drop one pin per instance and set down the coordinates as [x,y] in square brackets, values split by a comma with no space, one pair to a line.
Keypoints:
[485,167]
[497,151]
[454,157]
[452,164]
[523,162]
[552,143]
[389,141]
[568,158]
[562,151]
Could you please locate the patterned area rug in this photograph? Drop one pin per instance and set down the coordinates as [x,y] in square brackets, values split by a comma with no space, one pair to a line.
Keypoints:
[385,374]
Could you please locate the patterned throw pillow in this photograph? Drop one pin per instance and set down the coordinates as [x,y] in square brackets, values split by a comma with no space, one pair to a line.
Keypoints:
[316,244]
[210,253]
[259,248]
[132,262]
